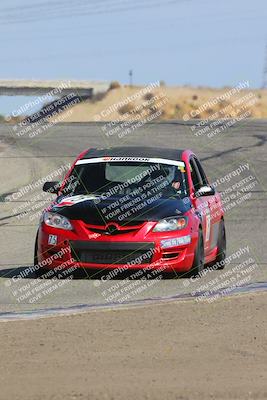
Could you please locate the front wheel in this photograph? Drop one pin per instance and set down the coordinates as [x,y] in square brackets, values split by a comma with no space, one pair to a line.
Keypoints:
[198,263]
[221,253]
[35,257]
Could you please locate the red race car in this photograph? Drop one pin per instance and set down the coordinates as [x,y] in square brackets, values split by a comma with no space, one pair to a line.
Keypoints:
[133,208]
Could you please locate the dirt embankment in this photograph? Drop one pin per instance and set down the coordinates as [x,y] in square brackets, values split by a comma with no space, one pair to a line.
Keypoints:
[126,103]
[159,102]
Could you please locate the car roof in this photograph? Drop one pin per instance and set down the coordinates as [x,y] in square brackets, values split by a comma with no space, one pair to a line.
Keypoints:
[135,151]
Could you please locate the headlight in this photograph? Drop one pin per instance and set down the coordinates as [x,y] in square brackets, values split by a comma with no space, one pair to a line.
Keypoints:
[57,221]
[171,224]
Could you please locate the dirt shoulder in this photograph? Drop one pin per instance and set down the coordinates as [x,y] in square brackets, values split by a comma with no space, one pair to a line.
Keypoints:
[184,350]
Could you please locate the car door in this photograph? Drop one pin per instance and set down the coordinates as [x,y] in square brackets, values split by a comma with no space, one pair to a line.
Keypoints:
[202,203]
[215,209]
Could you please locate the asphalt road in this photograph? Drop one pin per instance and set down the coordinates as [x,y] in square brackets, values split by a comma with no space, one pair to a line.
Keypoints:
[234,158]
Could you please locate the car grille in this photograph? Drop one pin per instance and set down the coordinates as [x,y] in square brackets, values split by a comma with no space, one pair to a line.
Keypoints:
[107,231]
[113,228]
[112,253]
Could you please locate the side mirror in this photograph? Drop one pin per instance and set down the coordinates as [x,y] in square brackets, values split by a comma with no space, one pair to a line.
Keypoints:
[52,187]
[205,191]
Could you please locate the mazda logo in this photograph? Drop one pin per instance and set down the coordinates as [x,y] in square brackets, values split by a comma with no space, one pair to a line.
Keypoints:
[112,228]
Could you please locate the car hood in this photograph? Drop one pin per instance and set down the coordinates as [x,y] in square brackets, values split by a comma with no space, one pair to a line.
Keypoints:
[91,210]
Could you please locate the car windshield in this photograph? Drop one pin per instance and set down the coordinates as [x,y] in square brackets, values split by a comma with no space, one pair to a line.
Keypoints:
[127,178]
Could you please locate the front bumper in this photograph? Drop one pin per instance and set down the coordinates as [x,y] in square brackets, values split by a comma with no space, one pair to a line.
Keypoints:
[139,250]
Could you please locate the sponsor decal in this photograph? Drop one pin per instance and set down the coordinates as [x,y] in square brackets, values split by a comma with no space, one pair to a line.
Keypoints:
[173,242]
[130,159]
[69,201]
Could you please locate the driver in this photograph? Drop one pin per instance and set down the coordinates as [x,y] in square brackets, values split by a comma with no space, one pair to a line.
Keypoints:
[176,184]
[174,188]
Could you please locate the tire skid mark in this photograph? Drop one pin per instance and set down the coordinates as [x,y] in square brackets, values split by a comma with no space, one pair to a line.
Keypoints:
[83,308]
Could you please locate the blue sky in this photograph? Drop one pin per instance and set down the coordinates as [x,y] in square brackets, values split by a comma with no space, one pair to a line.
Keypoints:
[197,42]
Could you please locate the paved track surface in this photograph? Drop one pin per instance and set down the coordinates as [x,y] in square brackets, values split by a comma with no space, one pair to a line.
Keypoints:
[25,160]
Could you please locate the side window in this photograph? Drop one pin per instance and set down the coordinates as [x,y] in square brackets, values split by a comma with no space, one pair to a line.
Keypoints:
[202,173]
[195,175]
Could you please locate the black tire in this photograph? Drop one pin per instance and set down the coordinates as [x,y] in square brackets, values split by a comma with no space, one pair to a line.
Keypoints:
[221,254]
[35,258]
[199,259]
